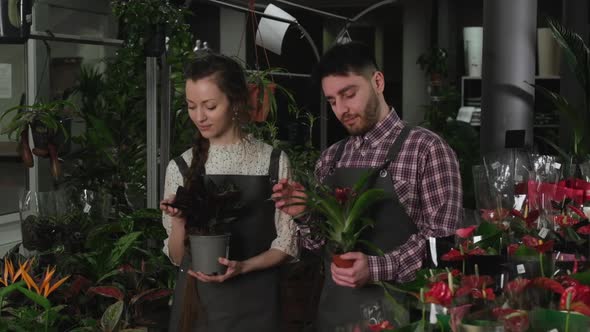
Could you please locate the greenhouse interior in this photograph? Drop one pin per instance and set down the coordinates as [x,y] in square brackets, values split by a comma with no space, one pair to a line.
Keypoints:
[295,165]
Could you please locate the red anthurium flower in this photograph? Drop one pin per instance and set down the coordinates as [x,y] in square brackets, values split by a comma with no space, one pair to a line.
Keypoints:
[565,220]
[476,251]
[512,248]
[548,284]
[514,320]
[577,211]
[439,293]
[580,299]
[487,294]
[444,276]
[384,325]
[494,215]
[517,285]
[473,281]
[530,218]
[465,232]
[537,244]
[584,230]
[453,255]
[567,281]
[342,194]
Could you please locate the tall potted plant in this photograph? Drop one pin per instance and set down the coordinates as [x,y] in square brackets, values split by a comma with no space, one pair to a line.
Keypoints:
[577,56]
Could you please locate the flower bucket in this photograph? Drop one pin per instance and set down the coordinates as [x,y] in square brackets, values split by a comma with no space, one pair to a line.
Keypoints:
[206,250]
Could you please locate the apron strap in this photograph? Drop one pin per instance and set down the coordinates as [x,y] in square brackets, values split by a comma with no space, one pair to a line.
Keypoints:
[273,167]
[339,152]
[182,167]
[397,145]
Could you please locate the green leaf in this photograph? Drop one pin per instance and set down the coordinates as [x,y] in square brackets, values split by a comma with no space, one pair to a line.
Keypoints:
[4,291]
[120,249]
[400,313]
[363,202]
[525,251]
[112,316]
[40,300]
[583,277]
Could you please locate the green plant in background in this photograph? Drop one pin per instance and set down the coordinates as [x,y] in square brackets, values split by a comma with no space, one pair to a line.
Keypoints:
[112,148]
[577,55]
[434,63]
[46,121]
[439,116]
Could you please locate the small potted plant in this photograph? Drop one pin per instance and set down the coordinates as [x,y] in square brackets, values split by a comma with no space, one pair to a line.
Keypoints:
[342,213]
[209,209]
[434,65]
[48,127]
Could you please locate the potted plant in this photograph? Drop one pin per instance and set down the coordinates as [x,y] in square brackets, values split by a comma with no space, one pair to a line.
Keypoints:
[209,209]
[576,54]
[342,213]
[434,65]
[48,127]
[262,91]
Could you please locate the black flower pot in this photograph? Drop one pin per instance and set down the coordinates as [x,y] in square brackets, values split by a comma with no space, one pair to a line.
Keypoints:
[206,250]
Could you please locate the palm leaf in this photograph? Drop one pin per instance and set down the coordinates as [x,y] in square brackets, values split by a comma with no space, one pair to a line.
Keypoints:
[576,52]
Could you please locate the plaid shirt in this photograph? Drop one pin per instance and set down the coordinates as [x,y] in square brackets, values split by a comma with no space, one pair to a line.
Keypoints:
[426,179]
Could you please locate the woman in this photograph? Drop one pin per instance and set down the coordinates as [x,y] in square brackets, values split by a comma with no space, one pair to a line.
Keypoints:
[246,297]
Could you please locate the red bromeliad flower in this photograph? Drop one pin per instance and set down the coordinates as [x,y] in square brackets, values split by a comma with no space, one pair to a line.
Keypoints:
[384,325]
[537,244]
[465,232]
[439,293]
[456,255]
[342,195]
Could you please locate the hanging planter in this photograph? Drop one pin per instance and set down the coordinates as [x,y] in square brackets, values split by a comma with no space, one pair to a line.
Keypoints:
[262,99]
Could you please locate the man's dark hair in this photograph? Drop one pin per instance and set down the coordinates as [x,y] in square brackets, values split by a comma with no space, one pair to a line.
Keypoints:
[342,59]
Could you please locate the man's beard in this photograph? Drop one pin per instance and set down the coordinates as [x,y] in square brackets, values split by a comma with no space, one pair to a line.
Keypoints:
[368,119]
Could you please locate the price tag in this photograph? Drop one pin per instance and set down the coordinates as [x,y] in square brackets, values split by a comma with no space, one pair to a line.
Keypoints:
[518,201]
[517,177]
[87,208]
[553,330]
[556,165]
[520,269]
[476,239]
[496,165]
[543,232]
[433,253]
[434,310]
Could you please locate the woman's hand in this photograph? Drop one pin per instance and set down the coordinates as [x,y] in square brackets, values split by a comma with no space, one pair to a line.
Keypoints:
[289,197]
[169,210]
[234,268]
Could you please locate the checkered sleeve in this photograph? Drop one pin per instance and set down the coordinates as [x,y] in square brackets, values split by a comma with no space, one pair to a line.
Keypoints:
[439,209]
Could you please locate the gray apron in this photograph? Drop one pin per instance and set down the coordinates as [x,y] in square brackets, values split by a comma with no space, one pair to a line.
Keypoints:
[248,302]
[340,308]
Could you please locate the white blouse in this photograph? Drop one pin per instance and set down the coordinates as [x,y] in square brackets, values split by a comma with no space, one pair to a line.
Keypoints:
[249,156]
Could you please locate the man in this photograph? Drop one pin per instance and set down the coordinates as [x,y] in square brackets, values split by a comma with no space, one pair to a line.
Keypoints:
[421,174]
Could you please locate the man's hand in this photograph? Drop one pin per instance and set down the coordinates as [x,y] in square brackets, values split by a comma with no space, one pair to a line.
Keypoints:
[234,268]
[355,276]
[289,197]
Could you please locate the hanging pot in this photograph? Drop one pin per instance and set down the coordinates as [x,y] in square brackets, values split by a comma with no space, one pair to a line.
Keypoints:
[260,100]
